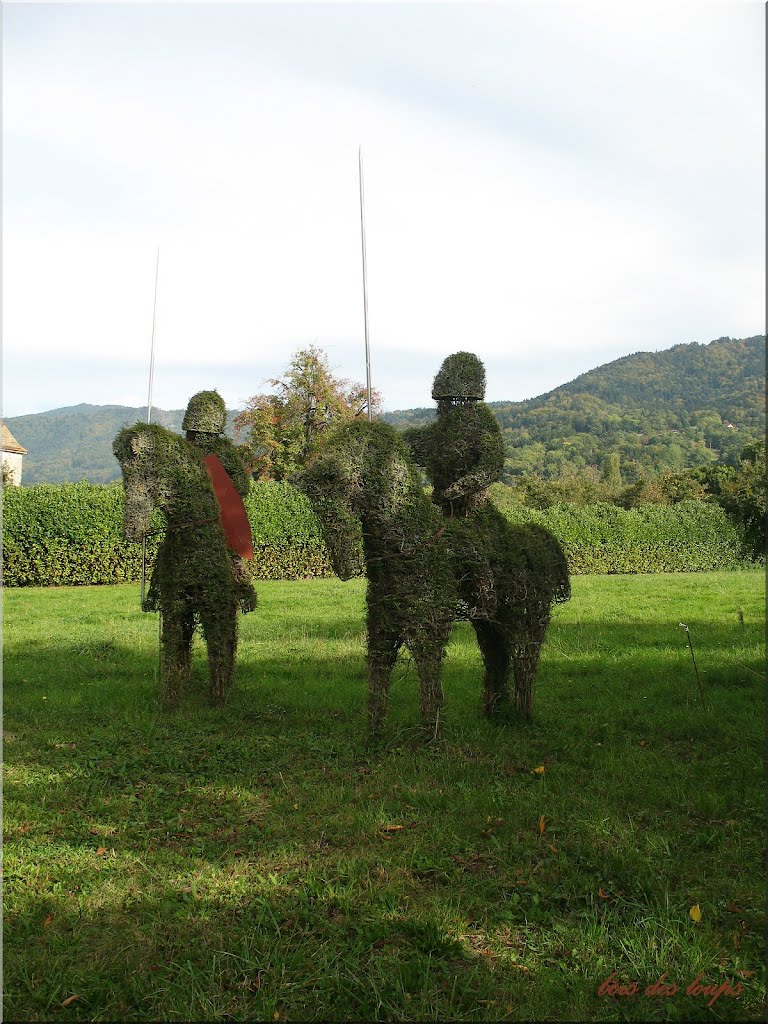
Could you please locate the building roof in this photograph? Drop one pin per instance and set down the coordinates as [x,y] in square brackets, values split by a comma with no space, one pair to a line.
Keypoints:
[10,444]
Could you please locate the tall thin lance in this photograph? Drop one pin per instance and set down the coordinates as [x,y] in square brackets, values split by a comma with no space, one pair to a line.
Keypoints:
[149,416]
[365,288]
[152,346]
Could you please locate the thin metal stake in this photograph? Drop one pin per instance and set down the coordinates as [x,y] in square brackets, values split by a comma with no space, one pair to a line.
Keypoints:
[149,418]
[365,286]
[682,625]
[159,666]
[152,347]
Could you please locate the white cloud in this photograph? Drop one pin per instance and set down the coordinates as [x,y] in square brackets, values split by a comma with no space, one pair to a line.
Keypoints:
[595,193]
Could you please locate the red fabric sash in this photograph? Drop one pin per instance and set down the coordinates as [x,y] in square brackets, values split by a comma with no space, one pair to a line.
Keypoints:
[234,519]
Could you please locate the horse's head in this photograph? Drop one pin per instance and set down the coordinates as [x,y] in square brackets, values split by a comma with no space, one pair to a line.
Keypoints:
[331,484]
[134,449]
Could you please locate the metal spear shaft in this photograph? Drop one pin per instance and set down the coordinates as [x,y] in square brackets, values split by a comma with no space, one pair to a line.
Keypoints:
[682,625]
[149,417]
[152,346]
[365,286]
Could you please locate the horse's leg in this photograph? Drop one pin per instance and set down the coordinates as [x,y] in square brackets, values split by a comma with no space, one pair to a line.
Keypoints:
[527,651]
[185,642]
[430,668]
[174,656]
[381,656]
[428,653]
[220,631]
[495,649]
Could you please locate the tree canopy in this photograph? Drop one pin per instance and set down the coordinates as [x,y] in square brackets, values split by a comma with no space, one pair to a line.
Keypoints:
[659,412]
[281,429]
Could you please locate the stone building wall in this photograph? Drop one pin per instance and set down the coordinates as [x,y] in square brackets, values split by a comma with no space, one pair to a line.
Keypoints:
[12,464]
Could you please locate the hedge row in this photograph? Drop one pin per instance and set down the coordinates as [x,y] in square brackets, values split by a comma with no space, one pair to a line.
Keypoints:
[69,534]
[64,534]
[691,536]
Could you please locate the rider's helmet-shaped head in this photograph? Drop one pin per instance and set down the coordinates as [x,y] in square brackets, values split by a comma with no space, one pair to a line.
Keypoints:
[460,379]
[206,413]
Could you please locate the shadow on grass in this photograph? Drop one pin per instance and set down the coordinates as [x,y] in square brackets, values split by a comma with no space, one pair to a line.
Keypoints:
[299,953]
[257,859]
[331,942]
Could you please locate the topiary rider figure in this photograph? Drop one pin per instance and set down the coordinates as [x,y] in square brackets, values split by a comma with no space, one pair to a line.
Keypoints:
[462,452]
[204,422]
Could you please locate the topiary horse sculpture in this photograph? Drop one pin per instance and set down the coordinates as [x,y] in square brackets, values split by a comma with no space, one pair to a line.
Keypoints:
[375,516]
[193,573]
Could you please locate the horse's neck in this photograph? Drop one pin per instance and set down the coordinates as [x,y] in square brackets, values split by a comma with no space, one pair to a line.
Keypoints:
[395,528]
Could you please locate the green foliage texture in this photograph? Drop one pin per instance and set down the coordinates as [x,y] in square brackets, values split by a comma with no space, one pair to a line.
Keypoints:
[508,577]
[73,444]
[370,503]
[206,412]
[741,492]
[688,406]
[692,405]
[204,421]
[425,570]
[463,455]
[193,583]
[462,376]
[287,540]
[690,536]
[71,534]
[282,429]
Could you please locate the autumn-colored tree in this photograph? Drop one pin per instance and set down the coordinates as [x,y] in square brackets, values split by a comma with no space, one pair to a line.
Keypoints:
[280,430]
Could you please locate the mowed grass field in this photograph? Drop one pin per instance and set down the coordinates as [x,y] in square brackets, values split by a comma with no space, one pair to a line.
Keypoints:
[258,862]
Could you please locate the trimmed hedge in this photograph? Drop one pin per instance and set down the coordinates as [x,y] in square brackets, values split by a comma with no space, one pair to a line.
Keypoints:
[69,534]
[65,534]
[691,536]
[286,536]
[56,534]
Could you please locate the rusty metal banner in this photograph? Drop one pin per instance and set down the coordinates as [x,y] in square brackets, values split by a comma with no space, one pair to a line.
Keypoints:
[234,519]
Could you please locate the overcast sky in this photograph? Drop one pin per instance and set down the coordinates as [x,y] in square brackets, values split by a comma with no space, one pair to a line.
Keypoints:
[548,186]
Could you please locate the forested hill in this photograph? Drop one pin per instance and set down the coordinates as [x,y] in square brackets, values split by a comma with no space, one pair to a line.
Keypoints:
[686,406]
[727,375]
[75,443]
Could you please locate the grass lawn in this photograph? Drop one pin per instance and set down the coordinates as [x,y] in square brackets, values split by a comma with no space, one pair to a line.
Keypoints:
[258,863]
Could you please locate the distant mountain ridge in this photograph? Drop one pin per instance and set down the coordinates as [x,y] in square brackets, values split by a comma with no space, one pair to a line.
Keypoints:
[685,406]
[75,442]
